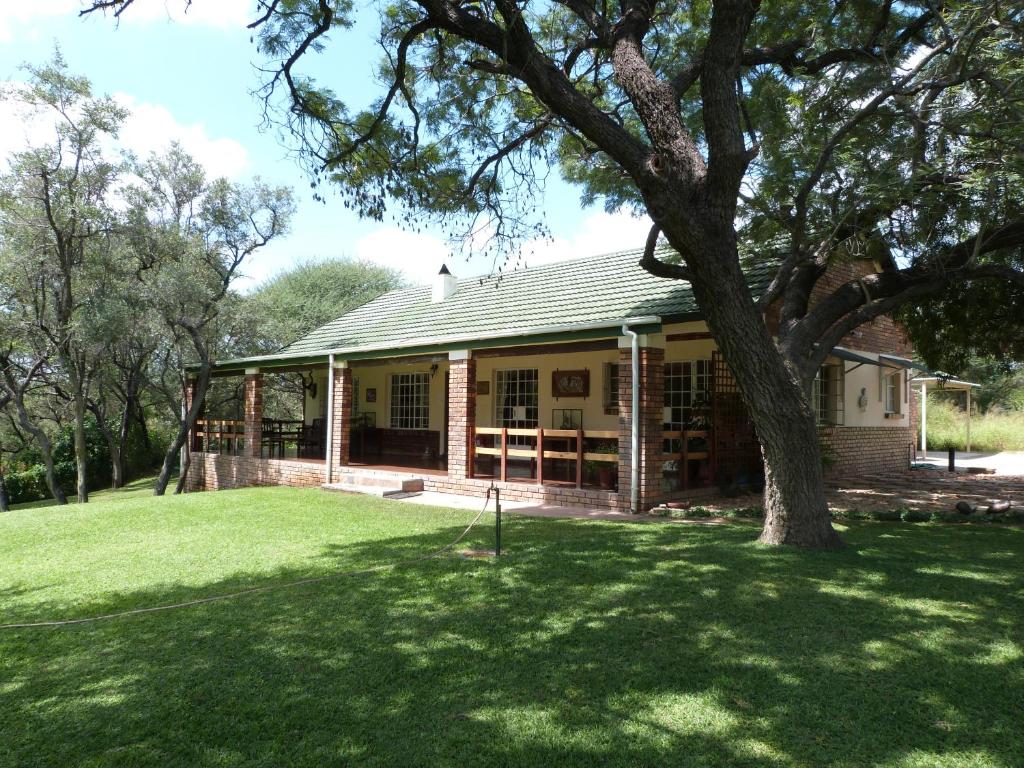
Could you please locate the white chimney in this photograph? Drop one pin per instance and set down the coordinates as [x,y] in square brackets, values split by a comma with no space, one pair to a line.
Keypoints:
[444,285]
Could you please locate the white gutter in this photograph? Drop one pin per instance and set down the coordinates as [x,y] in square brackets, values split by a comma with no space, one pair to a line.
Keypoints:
[634,458]
[453,339]
[329,452]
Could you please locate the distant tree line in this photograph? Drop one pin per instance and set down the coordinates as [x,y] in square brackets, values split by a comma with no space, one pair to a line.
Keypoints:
[116,271]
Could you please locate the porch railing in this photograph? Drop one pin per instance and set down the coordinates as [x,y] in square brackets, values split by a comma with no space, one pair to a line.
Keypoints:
[214,435]
[685,455]
[502,451]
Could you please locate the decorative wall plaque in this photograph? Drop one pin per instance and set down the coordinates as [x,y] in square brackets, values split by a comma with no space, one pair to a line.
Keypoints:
[570,383]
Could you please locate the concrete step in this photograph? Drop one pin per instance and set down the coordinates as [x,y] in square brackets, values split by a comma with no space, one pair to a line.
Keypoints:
[375,483]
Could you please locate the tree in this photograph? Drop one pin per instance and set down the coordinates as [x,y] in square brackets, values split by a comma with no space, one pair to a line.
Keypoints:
[189,236]
[56,215]
[891,130]
[293,303]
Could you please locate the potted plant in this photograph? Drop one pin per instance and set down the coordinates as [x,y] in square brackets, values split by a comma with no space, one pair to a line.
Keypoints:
[606,472]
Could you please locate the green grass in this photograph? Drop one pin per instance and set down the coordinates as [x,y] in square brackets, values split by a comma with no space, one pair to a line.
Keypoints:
[140,487]
[990,432]
[588,644]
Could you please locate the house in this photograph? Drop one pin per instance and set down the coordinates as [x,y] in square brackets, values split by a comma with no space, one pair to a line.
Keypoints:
[525,380]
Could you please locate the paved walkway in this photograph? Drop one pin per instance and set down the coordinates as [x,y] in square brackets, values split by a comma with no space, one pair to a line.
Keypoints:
[1004,463]
[919,489]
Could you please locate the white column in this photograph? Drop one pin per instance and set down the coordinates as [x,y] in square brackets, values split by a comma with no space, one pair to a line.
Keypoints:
[924,419]
[968,419]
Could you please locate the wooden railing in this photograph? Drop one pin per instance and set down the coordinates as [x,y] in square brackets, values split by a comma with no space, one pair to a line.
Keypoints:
[538,453]
[229,433]
[684,456]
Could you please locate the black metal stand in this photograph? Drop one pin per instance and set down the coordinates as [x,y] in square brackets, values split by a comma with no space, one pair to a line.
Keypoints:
[497,521]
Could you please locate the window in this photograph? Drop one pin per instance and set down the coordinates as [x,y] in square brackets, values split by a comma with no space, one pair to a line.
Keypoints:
[892,392]
[355,398]
[410,401]
[611,387]
[515,398]
[687,394]
[827,395]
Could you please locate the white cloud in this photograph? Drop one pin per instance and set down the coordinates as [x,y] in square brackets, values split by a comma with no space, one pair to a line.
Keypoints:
[24,17]
[600,232]
[152,127]
[418,256]
[148,128]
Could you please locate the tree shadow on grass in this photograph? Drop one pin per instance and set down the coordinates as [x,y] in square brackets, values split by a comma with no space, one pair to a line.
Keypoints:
[588,643]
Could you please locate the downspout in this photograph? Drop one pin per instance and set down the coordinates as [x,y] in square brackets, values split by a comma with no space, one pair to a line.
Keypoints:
[634,457]
[329,454]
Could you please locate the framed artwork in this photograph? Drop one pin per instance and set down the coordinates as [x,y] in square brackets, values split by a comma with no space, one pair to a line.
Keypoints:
[483,387]
[570,383]
[371,394]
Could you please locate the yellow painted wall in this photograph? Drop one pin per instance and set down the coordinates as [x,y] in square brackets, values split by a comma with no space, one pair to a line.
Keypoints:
[592,406]
[873,414]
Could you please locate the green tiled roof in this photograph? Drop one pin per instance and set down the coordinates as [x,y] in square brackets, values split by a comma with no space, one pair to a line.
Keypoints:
[590,290]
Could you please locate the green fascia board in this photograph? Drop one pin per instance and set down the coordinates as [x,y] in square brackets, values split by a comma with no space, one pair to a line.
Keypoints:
[320,358]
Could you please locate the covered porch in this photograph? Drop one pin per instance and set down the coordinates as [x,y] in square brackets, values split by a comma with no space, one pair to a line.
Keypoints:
[557,420]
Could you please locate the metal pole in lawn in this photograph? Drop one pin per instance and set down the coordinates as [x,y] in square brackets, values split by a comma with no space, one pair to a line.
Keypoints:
[497,521]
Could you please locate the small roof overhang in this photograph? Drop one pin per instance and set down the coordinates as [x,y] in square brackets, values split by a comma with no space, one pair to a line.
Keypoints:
[854,357]
[944,382]
[901,362]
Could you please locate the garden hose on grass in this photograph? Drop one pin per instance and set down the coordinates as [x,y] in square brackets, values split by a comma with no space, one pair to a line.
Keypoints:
[255,590]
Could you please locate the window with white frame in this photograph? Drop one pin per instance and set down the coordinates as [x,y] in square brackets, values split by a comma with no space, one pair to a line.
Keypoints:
[687,393]
[827,395]
[891,391]
[611,387]
[516,401]
[410,401]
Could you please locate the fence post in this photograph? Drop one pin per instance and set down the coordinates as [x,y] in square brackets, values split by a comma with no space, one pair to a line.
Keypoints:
[579,457]
[504,454]
[540,456]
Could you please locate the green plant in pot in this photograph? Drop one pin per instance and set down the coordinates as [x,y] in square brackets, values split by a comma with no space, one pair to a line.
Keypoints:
[605,472]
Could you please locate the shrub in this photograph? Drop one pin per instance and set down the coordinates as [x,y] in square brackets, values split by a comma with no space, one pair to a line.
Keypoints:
[28,485]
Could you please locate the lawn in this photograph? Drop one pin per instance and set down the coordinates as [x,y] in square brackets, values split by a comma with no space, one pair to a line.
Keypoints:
[589,643]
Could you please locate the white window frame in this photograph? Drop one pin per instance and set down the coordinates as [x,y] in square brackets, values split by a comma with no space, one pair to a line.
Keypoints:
[694,378]
[521,378]
[409,400]
[828,395]
[892,384]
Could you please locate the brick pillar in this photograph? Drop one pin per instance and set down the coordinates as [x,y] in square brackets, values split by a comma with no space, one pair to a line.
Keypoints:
[253,413]
[461,413]
[341,419]
[652,403]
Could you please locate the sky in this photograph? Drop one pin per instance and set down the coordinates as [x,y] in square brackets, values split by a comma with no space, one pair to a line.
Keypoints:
[190,76]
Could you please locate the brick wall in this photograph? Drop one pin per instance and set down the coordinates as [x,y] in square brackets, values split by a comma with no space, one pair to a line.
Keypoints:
[211,472]
[652,403]
[883,334]
[867,450]
[461,416]
[253,397]
[342,416]
[538,494]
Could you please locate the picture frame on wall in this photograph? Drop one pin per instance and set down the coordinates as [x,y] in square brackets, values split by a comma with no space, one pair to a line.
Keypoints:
[571,383]
[371,395]
[483,387]
[566,418]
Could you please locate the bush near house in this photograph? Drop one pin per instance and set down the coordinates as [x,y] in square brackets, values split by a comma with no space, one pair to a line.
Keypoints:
[991,432]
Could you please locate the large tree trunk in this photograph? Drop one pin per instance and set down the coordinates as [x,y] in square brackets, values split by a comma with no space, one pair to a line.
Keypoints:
[795,508]
[45,449]
[184,429]
[5,505]
[81,449]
